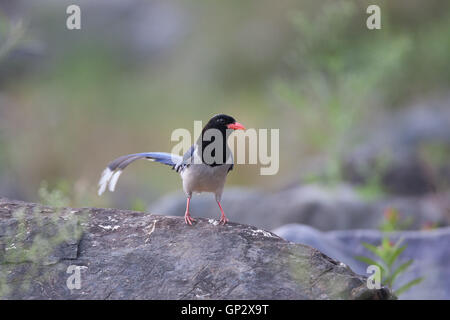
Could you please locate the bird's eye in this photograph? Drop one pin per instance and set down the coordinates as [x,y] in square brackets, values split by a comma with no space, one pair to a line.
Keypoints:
[220,120]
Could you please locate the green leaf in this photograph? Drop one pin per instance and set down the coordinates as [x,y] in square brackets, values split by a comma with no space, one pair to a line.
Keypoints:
[372,248]
[399,242]
[408,286]
[393,257]
[402,268]
[385,250]
[369,262]
[385,244]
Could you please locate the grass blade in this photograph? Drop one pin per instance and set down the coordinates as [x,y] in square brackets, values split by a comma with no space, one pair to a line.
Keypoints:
[408,286]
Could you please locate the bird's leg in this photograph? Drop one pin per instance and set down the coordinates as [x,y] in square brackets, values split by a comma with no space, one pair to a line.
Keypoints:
[187,217]
[223,218]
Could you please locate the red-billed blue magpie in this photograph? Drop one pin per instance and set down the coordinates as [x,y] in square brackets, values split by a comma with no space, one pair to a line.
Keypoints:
[202,169]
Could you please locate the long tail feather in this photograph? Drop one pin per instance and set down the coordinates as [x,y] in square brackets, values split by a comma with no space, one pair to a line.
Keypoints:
[111,174]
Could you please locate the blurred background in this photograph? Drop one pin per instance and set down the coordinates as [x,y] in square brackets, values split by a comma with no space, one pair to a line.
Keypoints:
[364,115]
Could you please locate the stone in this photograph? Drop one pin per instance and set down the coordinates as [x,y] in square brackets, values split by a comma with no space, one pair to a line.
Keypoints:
[430,251]
[123,254]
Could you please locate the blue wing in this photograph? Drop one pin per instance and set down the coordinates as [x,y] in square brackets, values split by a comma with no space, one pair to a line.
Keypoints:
[111,174]
[161,157]
[186,160]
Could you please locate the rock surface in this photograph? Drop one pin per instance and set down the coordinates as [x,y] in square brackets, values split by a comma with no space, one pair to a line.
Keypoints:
[133,255]
[429,249]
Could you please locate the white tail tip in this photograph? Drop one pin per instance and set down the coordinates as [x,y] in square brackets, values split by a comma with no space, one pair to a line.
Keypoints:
[113,182]
[104,180]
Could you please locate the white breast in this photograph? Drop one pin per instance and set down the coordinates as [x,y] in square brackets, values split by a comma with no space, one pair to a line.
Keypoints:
[204,178]
[199,177]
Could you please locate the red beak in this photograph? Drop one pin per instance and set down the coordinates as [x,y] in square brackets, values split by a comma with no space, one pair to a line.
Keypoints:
[236,126]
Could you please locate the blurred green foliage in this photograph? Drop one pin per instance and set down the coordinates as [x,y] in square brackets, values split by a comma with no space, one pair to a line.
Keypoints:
[340,73]
[138,205]
[337,72]
[394,222]
[373,187]
[435,156]
[10,34]
[55,197]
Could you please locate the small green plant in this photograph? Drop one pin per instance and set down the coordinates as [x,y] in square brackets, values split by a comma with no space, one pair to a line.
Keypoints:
[388,253]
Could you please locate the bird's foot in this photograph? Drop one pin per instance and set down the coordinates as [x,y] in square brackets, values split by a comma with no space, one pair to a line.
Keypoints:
[223,220]
[188,219]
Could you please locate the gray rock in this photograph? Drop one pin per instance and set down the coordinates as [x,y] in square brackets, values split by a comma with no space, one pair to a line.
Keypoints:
[337,208]
[408,149]
[134,255]
[429,249]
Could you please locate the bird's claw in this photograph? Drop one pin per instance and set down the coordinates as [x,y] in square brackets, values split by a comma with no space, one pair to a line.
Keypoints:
[223,220]
[188,219]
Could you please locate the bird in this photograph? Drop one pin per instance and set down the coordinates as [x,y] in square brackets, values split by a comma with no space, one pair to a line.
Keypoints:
[201,168]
